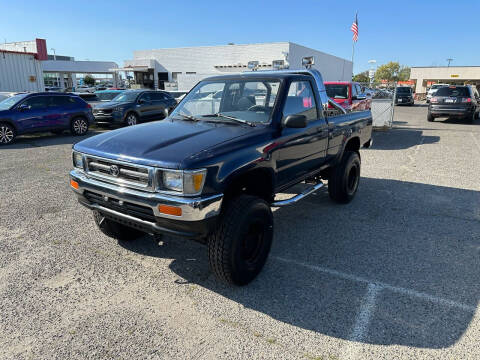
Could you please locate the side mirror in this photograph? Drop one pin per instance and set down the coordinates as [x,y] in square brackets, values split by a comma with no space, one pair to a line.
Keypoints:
[141,101]
[23,107]
[295,121]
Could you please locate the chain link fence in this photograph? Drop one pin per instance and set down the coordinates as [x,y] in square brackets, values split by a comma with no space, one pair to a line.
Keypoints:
[382,103]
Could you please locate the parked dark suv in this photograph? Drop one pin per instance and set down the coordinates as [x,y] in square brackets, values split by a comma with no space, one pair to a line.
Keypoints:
[458,101]
[40,112]
[133,106]
[404,95]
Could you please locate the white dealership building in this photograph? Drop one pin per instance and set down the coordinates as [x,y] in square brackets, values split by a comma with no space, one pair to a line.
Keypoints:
[182,68]
[27,66]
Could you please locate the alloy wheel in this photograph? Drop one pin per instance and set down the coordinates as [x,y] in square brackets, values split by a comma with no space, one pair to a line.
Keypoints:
[80,126]
[6,134]
[131,120]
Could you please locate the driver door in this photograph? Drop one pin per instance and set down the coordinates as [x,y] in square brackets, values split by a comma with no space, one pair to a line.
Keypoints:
[34,114]
[145,106]
[303,150]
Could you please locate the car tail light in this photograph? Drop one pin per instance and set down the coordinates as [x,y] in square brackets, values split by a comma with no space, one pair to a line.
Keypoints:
[89,106]
[434,100]
[466,100]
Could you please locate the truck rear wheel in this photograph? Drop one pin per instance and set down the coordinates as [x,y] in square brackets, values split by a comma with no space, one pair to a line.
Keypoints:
[344,178]
[239,247]
[115,230]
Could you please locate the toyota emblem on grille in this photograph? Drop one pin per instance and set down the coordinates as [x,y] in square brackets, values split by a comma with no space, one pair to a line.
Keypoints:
[114,170]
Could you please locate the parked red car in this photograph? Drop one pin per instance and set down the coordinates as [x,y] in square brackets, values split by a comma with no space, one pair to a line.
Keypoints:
[349,95]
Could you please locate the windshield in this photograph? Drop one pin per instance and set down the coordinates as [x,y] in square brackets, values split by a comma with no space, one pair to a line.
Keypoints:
[108,96]
[453,91]
[437,86]
[126,96]
[11,101]
[404,90]
[249,100]
[337,91]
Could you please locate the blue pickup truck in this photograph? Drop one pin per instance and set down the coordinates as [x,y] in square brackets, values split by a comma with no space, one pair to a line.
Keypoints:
[211,170]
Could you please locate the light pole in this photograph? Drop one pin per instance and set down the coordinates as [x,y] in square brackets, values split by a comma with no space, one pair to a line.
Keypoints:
[371,72]
[54,54]
[449,60]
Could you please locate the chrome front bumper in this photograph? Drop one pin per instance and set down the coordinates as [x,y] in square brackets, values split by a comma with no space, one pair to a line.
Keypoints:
[193,209]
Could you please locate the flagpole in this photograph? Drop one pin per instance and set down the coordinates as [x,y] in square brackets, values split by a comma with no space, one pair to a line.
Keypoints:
[353,50]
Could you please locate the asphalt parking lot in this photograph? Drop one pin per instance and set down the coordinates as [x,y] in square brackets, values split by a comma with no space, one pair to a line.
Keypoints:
[394,274]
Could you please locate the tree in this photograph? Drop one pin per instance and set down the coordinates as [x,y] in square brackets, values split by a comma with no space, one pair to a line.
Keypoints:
[392,71]
[362,77]
[89,80]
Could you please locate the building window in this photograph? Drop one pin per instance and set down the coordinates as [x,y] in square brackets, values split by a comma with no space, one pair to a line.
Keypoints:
[175,75]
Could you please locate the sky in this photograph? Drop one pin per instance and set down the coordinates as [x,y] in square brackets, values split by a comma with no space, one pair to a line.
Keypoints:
[414,33]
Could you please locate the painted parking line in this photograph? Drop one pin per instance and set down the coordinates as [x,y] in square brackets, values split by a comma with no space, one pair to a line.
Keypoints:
[352,348]
[381,285]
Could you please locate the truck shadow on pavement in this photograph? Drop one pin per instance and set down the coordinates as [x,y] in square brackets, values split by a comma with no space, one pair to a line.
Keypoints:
[399,138]
[418,245]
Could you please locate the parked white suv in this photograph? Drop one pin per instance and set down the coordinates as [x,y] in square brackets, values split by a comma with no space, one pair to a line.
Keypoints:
[84,89]
[433,90]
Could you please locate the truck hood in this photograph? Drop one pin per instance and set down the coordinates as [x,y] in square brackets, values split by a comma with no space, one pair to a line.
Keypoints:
[164,143]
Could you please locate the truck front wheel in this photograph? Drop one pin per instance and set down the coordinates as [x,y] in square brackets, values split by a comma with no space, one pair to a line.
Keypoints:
[344,178]
[115,230]
[239,247]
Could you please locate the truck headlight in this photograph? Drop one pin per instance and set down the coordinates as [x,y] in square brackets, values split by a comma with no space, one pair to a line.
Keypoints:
[77,160]
[188,182]
[117,109]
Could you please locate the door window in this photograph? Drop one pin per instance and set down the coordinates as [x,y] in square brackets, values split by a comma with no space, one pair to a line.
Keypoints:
[61,101]
[146,97]
[300,101]
[158,96]
[36,102]
[354,91]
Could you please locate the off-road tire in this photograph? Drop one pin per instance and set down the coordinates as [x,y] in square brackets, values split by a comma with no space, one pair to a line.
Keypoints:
[79,126]
[471,118]
[430,118]
[235,254]
[7,134]
[115,230]
[344,178]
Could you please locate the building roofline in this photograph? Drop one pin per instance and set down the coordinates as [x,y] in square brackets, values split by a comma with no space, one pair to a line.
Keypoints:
[205,46]
[446,67]
[18,52]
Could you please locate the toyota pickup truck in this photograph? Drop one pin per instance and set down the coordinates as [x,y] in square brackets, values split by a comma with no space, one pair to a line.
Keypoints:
[211,170]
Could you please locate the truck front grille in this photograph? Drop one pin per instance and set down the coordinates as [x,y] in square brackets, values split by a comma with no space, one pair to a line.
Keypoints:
[128,208]
[120,173]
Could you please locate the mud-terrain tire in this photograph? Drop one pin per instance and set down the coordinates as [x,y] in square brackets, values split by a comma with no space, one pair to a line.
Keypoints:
[115,230]
[239,247]
[344,178]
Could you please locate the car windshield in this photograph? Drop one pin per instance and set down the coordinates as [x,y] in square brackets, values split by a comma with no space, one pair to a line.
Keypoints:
[404,90]
[126,96]
[453,91]
[437,86]
[11,101]
[248,100]
[337,91]
[108,96]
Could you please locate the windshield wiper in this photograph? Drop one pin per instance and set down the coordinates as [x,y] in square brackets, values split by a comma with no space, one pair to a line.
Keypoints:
[189,117]
[241,121]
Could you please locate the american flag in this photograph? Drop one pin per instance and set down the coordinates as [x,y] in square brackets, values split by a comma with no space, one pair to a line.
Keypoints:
[354,28]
